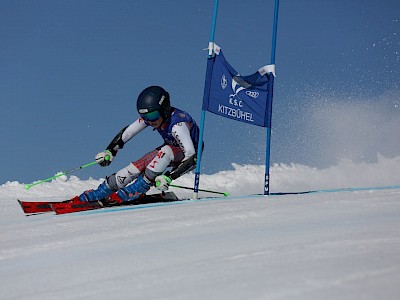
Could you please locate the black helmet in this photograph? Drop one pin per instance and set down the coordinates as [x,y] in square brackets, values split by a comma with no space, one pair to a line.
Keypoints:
[154,98]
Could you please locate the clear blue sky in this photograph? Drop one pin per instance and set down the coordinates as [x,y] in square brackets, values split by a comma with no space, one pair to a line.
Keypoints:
[70,72]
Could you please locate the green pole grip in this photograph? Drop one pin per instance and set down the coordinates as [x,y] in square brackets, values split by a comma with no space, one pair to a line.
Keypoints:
[108,157]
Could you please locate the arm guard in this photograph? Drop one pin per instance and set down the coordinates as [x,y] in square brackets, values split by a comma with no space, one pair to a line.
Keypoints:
[117,142]
[184,167]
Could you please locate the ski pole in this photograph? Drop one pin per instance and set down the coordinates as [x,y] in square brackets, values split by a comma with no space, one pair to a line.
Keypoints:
[28,186]
[200,190]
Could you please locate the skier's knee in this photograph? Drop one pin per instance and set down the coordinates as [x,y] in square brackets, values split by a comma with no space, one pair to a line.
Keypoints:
[123,177]
[158,165]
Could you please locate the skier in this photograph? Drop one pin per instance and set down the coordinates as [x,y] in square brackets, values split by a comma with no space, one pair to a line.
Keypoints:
[181,137]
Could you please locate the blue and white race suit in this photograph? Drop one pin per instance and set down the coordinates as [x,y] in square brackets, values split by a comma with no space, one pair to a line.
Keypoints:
[181,137]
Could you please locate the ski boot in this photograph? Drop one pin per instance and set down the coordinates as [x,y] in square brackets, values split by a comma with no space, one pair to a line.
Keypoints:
[135,190]
[111,200]
[102,192]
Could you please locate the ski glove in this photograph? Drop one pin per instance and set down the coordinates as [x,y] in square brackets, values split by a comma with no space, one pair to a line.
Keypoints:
[104,158]
[163,182]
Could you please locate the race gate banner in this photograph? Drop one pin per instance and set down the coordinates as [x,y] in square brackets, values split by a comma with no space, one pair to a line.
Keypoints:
[228,94]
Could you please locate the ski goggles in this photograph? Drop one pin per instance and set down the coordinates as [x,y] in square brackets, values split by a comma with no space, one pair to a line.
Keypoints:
[151,116]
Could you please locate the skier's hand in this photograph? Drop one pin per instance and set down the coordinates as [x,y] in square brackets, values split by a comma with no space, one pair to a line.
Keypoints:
[162,182]
[104,158]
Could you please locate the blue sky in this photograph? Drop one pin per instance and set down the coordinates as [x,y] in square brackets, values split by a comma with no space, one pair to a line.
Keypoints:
[70,72]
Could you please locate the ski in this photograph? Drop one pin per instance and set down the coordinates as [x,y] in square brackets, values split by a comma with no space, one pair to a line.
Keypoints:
[35,207]
[71,206]
[76,206]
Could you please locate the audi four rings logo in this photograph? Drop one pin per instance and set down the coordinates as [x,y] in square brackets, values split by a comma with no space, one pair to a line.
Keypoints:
[252,94]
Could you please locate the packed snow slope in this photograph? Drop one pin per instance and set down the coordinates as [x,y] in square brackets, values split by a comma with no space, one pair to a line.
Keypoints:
[336,245]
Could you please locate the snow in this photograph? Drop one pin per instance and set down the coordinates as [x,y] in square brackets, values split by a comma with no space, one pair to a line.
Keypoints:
[336,245]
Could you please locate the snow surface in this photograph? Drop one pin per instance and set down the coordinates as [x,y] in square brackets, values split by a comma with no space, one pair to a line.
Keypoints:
[337,245]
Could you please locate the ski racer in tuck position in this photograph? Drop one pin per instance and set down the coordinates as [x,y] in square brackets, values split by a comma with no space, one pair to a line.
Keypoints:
[178,153]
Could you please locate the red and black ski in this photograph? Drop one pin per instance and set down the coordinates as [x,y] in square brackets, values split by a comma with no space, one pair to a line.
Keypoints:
[35,207]
[74,205]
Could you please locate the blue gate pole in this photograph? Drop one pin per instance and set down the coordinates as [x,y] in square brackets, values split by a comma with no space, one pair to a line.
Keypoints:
[269,99]
[203,112]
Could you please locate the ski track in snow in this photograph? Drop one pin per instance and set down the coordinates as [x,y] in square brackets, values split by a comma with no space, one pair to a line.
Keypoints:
[342,245]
